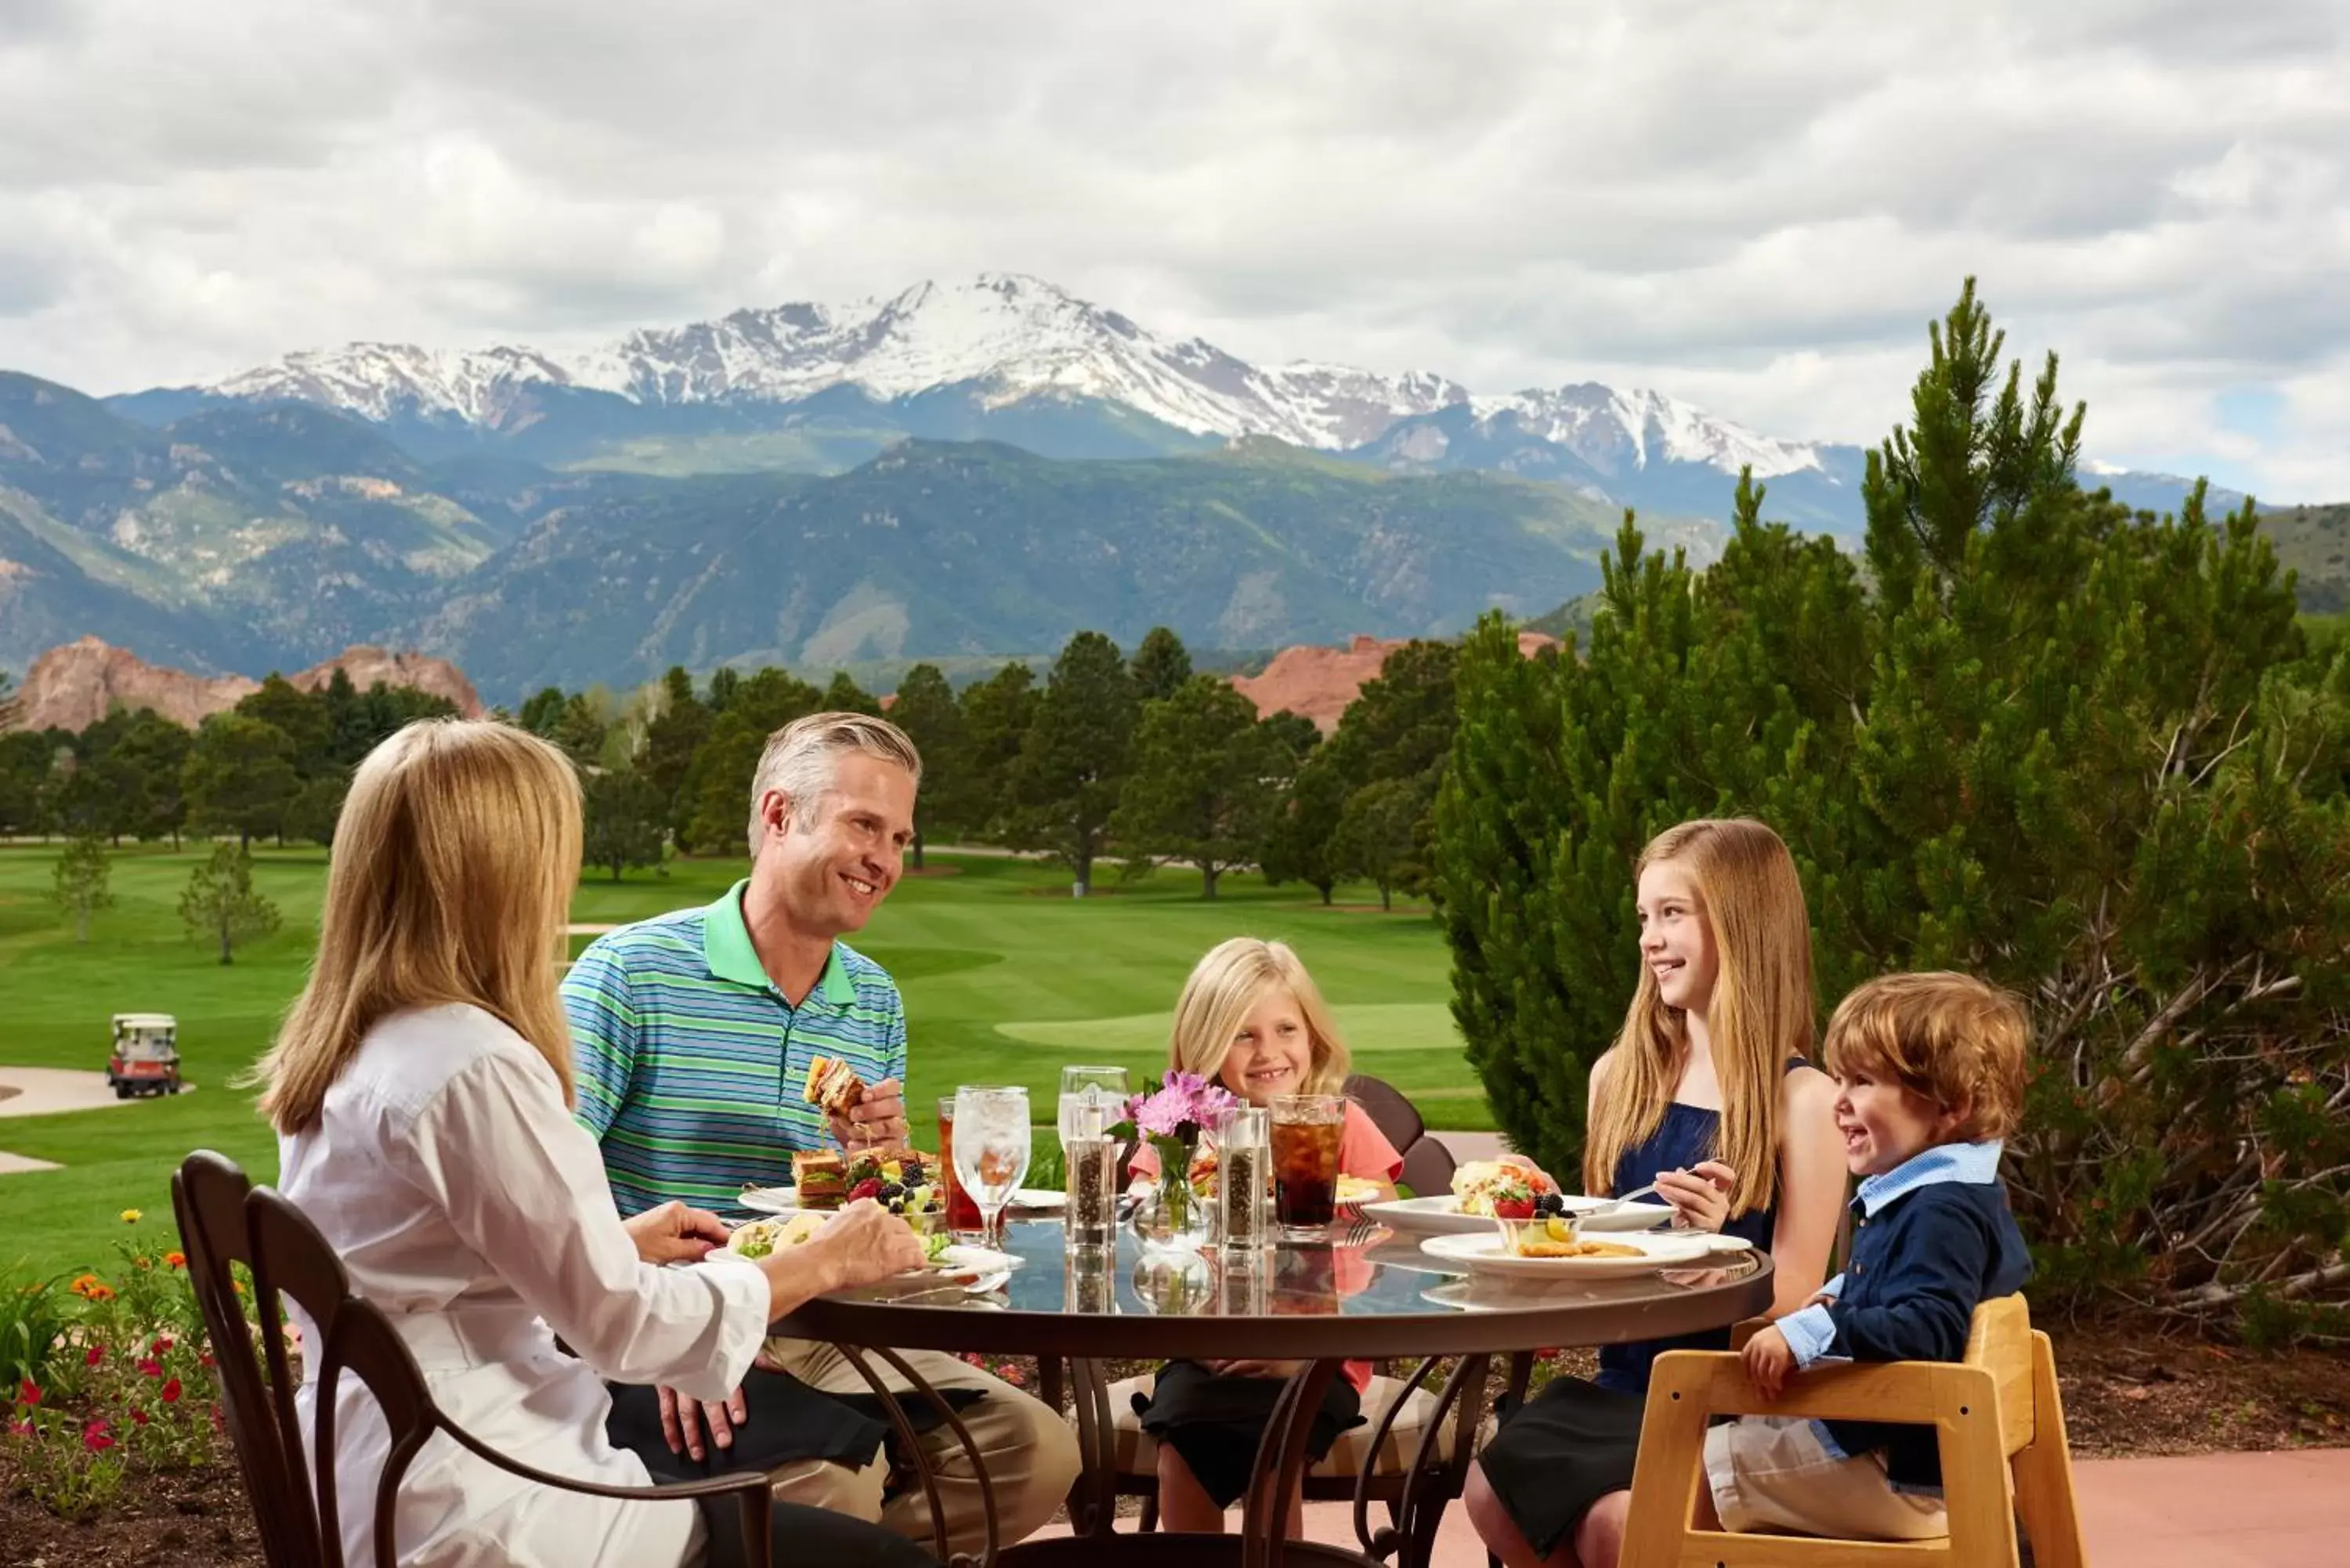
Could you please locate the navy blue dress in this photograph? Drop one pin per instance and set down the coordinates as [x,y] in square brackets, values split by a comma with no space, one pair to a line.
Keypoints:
[1575,1442]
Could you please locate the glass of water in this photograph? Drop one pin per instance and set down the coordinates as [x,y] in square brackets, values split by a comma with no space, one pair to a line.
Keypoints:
[990,1150]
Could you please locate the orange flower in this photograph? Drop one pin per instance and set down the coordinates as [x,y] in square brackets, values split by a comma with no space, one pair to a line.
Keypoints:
[90,1288]
[176,1259]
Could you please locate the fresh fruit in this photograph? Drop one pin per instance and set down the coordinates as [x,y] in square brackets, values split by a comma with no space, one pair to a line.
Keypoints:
[912,1173]
[1559,1230]
[892,1189]
[1550,1203]
[868,1187]
[1513,1208]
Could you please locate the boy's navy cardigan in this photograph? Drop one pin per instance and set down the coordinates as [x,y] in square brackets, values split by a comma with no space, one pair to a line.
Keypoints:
[1932,1240]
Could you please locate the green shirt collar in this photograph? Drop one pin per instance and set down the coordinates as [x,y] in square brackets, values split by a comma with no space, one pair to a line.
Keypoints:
[726,949]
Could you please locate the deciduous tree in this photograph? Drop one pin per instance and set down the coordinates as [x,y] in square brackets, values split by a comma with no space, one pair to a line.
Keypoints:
[79,885]
[221,903]
[1207,780]
[1074,759]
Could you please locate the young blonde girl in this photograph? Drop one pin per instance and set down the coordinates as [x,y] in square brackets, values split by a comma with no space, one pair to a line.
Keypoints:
[1252,1019]
[1707,1092]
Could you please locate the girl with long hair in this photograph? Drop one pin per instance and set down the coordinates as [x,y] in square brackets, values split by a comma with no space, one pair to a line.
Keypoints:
[422,1092]
[1707,1091]
[1252,1019]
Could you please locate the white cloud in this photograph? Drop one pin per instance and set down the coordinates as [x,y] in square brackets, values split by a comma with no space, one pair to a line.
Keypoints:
[1755,207]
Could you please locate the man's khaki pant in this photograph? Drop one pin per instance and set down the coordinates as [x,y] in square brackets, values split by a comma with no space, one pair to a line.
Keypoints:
[1029,1451]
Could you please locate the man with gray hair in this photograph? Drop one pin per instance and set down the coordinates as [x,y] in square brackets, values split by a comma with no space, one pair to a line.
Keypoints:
[693,1033]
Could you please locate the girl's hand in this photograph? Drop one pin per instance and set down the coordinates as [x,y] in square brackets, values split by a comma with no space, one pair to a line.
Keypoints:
[1283,1369]
[1699,1197]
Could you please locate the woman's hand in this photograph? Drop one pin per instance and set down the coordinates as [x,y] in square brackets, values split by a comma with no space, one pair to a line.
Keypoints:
[673,1233]
[862,1243]
[1699,1195]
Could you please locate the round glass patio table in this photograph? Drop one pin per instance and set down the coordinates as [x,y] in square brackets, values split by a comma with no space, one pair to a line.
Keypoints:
[1366,1293]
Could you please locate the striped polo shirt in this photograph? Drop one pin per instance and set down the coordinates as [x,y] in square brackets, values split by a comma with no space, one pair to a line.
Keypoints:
[691,1064]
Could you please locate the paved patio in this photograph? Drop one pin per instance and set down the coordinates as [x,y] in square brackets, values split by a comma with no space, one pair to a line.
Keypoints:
[2207,1511]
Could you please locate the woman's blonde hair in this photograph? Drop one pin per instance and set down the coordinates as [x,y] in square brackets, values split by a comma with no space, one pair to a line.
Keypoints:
[451,869]
[1230,980]
[1762,1011]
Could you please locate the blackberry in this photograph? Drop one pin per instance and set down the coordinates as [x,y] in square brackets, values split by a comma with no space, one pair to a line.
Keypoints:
[912,1174]
[1550,1203]
[891,1191]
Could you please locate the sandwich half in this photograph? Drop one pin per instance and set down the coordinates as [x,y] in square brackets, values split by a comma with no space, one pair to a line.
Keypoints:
[821,1177]
[833,1086]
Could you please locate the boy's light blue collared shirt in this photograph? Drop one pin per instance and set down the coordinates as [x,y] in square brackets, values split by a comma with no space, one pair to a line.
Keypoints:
[1811,1330]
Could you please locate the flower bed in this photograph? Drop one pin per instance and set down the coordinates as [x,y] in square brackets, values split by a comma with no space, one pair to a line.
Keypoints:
[107,1378]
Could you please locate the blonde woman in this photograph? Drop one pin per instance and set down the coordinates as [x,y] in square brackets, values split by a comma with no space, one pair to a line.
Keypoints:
[1707,1091]
[1252,1019]
[422,1092]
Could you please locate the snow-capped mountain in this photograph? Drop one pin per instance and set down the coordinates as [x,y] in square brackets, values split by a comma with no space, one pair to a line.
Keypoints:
[1007,340]
[1010,337]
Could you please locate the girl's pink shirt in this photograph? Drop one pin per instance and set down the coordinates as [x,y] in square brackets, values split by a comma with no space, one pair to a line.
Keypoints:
[1363,1151]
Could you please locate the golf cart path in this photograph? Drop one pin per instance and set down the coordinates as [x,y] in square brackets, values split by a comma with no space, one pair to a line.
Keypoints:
[43,1091]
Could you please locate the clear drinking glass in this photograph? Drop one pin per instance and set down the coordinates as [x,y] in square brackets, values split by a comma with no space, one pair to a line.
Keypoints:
[990,1150]
[1306,1129]
[1111,1081]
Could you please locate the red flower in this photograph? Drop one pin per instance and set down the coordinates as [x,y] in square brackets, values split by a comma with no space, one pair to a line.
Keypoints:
[29,1392]
[94,1438]
[152,1368]
[162,1347]
[139,1418]
[171,1392]
[96,1354]
[176,1259]
[1012,1375]
[205,1359]
[20,1428]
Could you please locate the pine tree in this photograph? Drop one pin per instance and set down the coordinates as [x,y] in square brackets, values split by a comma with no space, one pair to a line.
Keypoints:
[671,741]
[846,696]
[1161,665]
[925,708]
[221,903]
[239,776]
[2078,750]
[622,820]
[1074,759]
[80,881]
[996,716]
[1301,845]
[1207,780]
[719,781]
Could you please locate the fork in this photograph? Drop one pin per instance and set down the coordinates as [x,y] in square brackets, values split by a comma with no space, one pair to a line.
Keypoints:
[1614,1203]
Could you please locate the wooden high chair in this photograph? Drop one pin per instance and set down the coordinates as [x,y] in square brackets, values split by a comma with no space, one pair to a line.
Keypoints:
[2002,1430]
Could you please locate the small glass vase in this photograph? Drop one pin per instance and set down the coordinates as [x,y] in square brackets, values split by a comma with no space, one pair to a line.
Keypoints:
[1170,1216]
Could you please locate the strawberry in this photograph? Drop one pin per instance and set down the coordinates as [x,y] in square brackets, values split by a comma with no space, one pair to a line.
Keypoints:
[1513,1208]
[868,1187]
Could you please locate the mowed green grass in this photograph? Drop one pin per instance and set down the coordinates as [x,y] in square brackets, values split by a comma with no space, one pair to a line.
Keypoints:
[1006,978]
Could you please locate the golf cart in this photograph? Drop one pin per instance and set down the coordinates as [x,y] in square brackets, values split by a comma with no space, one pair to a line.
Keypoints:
[146,1059]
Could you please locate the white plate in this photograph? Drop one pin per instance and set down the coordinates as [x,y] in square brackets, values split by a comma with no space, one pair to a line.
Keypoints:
[1441,1216]
[1483,1255]
[782,1201]
[960,1259]
[1039,1197]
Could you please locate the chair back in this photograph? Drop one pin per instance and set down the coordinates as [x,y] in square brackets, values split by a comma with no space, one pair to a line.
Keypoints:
[226,1221]
[1428,1165]
[208,1195]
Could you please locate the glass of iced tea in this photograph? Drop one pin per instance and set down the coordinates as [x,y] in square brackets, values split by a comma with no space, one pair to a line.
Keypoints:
[962,1212]
[1305,1133]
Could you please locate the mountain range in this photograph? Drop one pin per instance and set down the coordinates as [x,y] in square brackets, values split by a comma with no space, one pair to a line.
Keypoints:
[975,469]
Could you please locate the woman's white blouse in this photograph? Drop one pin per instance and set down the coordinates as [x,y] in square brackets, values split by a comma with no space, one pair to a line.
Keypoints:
[466,1202]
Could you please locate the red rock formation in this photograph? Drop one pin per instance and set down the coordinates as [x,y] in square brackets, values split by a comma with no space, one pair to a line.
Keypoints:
[367,665]
[73,687]
[1319,682]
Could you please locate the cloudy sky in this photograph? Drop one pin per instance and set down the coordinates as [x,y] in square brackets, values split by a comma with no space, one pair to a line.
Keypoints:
[1753,206]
